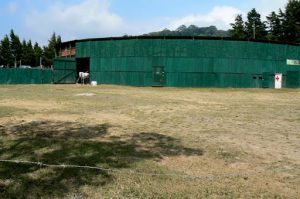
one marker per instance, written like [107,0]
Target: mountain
[192,30]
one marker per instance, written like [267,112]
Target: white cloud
[220,16]
[271,5]
[94,18]
[90,18]
[12,7]
[265,7]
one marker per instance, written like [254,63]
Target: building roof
[73,42]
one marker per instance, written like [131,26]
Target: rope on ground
[133,172]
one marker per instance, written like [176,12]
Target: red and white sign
[278,81]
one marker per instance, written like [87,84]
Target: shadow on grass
[73,143]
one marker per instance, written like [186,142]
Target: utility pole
[254,30]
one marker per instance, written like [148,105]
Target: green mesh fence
[25,76]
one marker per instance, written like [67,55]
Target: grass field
[203,143]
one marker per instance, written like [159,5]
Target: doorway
[158,76]
[82,65]
[267,80]
[293,79]
[257,81]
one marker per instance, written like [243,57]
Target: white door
[278,81]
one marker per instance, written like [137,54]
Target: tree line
[15,53]
[281,26]
[191,30]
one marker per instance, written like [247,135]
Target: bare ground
[220,143]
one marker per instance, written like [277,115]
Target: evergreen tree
[12,51]
[6,53]
[24,57]
[274,27]
[58,40]
[50,50]
[281,17]
[38,53]
[16,47]
[291,22]
[28,56]
[1,58]
[254,27]
[238,28]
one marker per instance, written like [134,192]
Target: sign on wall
[278,81]
[293,62]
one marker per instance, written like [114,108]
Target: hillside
[192,30]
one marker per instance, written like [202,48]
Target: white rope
[133,172]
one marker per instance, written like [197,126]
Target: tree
[164,32]
[58,40]
[181,28]
[28,57]
[1,58]
[50,51]
[24,57]
[38,53]
[211,30]
[6,53]
[16,47]
[254,27]
[31,55]
[13,51]
[291,22]
[238,28]
[274,27]
[192,30]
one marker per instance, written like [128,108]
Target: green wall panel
[64,71]
[187,62]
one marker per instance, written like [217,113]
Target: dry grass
[197,132]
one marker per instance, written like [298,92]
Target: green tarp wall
[189,62]
[25,76]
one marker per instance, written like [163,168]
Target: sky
[78,19]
